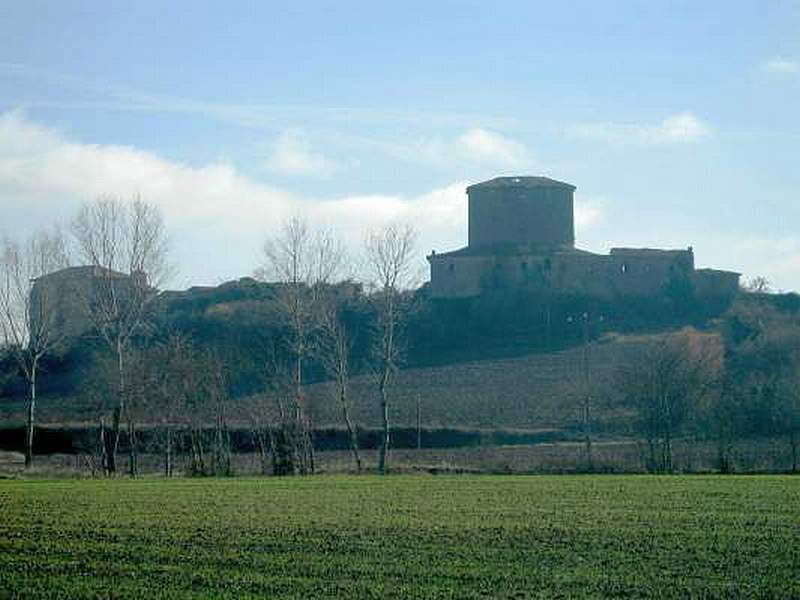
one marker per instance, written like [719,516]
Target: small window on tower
[524,267]
[623,268]
[452,267]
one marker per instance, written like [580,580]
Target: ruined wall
[65,295]
[69,293]
[713,283]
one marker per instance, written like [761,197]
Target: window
[451,267]
[624,268]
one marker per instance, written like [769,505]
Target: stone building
[70,293]
[522,235]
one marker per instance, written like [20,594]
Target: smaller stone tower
[534,213]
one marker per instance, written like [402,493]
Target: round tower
[531,212]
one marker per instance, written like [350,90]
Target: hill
[534,392]
[540,391]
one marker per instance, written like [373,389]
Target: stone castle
[67,296]
[522,236]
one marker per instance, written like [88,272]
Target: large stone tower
[535,213]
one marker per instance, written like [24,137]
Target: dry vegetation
[534,392]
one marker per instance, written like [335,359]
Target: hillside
[534,392]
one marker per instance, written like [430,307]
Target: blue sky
[677,121]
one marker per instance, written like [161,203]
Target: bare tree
[277,419]
[189,391]
[758,285]
[161,402]
[149,399]
[789,411]
[127,243]
[262,420]
[29,313]
[302,262]
[762,374]
[388,256]
[664,384]
[334,351]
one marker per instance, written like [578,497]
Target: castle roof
[521,182]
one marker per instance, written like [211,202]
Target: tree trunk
[30,424]
[133,467]
[690,448]
[587,399]
[262,448]
[201,459]
[587,433]
[668,450]
[308,436]
[305,441]
[168,453]
[119,411]
[350,430]
[384,447]
[419,422]
[651,444]
[104,448]
[283,453]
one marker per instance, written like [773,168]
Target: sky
[677,121]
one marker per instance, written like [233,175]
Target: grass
[402,537]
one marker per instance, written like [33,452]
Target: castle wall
[458,277]
[522,235]
[68,294]
[623,273]
[540,217]
[64,295]
[713,283]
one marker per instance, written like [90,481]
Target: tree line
[172,377]
[690,387]
[697,387]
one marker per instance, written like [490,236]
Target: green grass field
[402,537]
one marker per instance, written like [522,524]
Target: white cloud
[781,66]
[680,128]
[777,259]
[475,147]
[483,146]
[218,216]
[291,154]
[588,214]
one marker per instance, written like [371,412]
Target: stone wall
[68,295]
[535,217]
[623,273]
[713,283]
